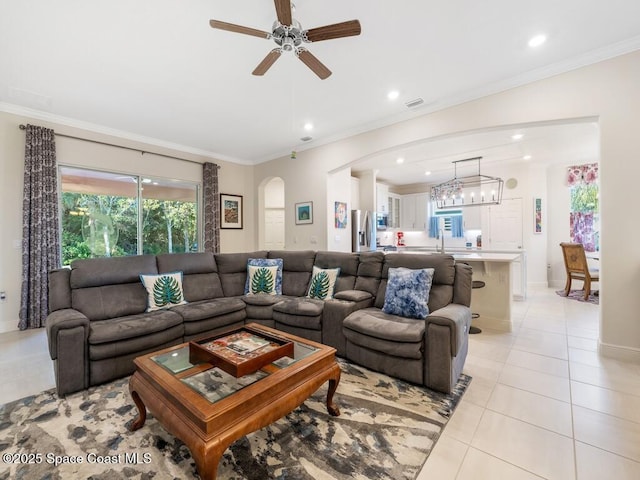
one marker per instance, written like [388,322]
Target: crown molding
[100,129]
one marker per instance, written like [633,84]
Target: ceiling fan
[289,35]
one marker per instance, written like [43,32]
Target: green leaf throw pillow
[262,279]
[323,283]
[163,290]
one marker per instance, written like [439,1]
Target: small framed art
[537,215]
[304,213]
[340,214]
[230,211]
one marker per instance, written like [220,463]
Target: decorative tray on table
[240,352]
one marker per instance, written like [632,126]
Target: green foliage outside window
[584,198]
[107,226]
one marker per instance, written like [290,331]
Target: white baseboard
[619,352]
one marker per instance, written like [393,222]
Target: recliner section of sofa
[98,321]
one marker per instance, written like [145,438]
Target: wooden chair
[575,262]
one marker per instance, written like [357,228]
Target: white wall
[606,91]
[557,214]
[236,179]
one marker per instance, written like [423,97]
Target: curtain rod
[23,127]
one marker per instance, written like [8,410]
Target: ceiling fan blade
[266,63]
[283,11]
[231,27]
[336,30]
[313,63]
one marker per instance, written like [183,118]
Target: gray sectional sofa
[98,321]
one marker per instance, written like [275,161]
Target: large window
[100,215]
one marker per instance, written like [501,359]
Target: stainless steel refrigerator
[363,230]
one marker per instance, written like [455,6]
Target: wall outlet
[3,296]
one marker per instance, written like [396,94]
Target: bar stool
[476,284]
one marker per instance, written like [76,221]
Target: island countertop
[471,257]
[486,257]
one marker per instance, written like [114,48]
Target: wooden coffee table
[209,409]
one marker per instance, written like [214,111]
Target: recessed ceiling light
[393,94]
[517,136]
[537,40]
[308,126]
[400,160]
[427,172]
[527,157]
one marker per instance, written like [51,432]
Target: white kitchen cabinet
[413,211]
[394,211]
[472,217]
[382,198]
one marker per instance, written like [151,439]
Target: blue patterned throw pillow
[323,283]
[266,262]
[163,290]
[407,292]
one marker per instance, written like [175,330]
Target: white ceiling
[155,70]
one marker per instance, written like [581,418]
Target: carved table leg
[332,408]
[142,412]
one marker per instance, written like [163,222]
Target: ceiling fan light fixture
[288,34]
[287,44]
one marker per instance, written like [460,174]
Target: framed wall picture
[304,213]
[537,215]
[341,214]
[230,211]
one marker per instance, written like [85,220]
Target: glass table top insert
[214,384]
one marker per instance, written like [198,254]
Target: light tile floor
[542,403]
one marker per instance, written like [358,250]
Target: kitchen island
[493,302]
[498,270]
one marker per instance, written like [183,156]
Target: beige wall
[236,179]
[607,91]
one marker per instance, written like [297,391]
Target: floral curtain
[40,237]
[585,174]
[582,230]
[211,207]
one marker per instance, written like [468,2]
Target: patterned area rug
[579,296]
[386,430]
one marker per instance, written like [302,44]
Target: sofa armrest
[353,295]
[335,311]
[68,335]
[457,318]
[65,319]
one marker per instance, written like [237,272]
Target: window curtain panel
[40,236]
[433,227]
[581,230]
[211,207]
[582,174]
[457,230]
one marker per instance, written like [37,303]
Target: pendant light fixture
[469,191]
